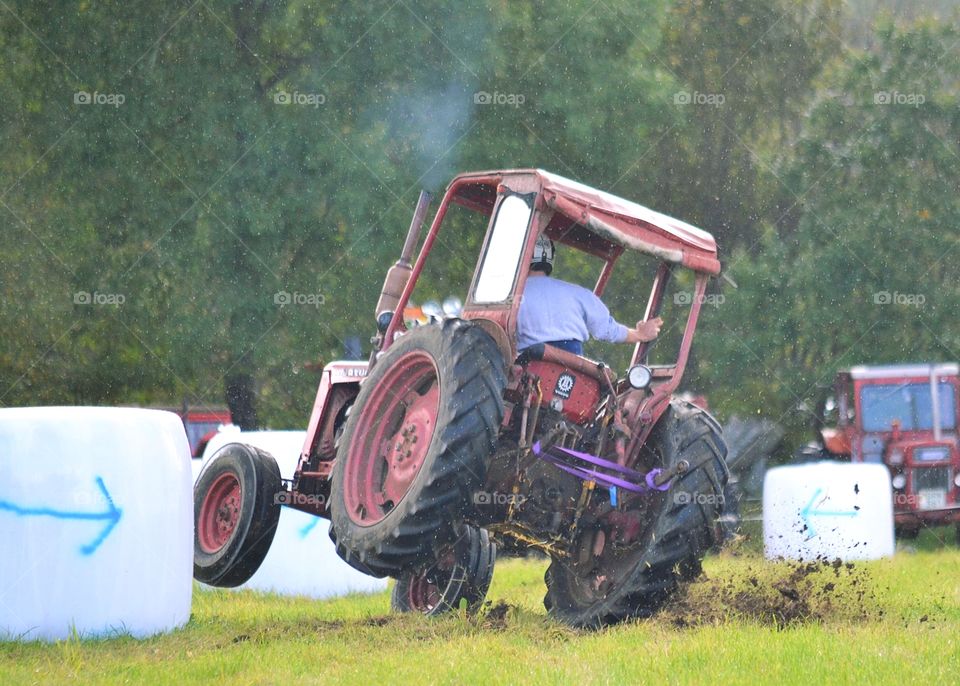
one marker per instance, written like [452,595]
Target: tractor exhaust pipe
[399,273]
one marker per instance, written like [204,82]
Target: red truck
[904,416]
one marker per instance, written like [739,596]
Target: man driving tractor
[565,315]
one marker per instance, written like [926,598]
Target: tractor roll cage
[606,222]
[592,221]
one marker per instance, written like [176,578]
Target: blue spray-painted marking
[305,531]
[112,516]
[809,511]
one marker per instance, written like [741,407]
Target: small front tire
[235,514]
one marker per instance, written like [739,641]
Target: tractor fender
[644,413]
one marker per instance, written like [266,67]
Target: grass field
[894,621]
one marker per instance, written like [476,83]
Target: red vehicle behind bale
[904,416]
[200,424]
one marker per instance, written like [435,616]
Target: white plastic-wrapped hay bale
[96,522]
[302,559]
[828,510]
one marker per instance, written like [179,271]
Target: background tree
[242,203]
[869,275]
[748,70]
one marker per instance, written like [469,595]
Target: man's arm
[604,327]
[599,321]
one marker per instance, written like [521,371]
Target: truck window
[910,403]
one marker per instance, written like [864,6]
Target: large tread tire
[471,376]
[231,562]
[438,590]
[673,548]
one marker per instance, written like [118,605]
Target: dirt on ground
[780,594]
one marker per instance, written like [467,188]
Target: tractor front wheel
[235,514]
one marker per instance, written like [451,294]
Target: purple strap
[637,483]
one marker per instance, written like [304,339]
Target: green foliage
[748,70]
[202,198]
[869,274]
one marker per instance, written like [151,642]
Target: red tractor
[904,416]
[447,441]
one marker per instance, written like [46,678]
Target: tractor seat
[584,365]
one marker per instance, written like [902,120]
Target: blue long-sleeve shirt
[554,310]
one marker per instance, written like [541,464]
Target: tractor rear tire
[683,527]
[235,514]
[460,577]
[415,447]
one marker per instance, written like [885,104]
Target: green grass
[893,621]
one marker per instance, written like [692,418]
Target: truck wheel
[235,514]
[415,447]
[461,575]
[680,526]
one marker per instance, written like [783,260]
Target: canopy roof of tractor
[596,222]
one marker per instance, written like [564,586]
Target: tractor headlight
[956,480]
[899,481]
[639,376]
[383,321]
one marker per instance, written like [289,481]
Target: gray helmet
[543,252]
